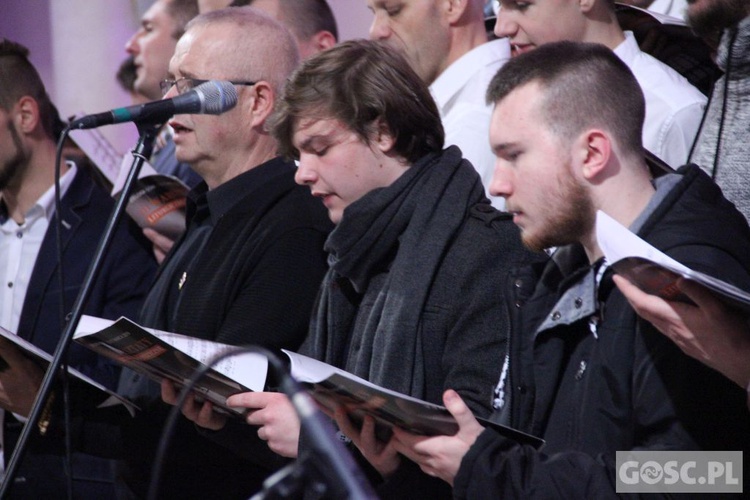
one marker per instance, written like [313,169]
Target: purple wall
[28,22]
[77,46]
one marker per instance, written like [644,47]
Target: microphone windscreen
[217,96]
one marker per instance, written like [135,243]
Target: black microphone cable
[341,464]
[68,448]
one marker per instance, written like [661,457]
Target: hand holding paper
[655,272]
[20,379]
[441,456]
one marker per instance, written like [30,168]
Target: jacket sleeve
[474,338]
[242,439]
[477,332]
[496,467]
[122,284]
[677,404]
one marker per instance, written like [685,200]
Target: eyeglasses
[188,84]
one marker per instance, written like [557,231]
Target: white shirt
[19,247]
[671,8]
[459,92]
[674,107]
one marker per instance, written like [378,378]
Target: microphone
[326,466]
[213,98]
[341,474]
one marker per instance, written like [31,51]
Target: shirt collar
[580,300]
[225,197]
[663,186]
[628,49]
[46,202]
[463,69]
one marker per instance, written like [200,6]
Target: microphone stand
[326,467]
[148,133]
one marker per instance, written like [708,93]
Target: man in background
[151,48]
[311,22]
[31,303]
[446,44]
[674,107]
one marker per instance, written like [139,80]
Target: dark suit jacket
[122,284]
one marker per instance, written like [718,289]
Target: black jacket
[630,388]
[122,283]
[413,300]
[254,282]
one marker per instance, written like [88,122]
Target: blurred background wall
[77,46]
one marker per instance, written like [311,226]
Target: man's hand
[707,331]
[441,456]
[19,381]
[202,414]
[382,456]
[162,245]
[276,417]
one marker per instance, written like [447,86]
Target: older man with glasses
[184,85]
[248,267]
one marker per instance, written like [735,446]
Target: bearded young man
[584,372]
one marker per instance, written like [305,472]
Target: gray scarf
[404,229]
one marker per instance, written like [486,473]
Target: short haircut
[304,17]
[585,85]
[19,78]
[263,49]
[181,11]
[362,84]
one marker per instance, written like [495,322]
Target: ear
[26,114]
[259,105]
[594,149]
[323,40]
[384,140]
[454,9]
[585,6]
